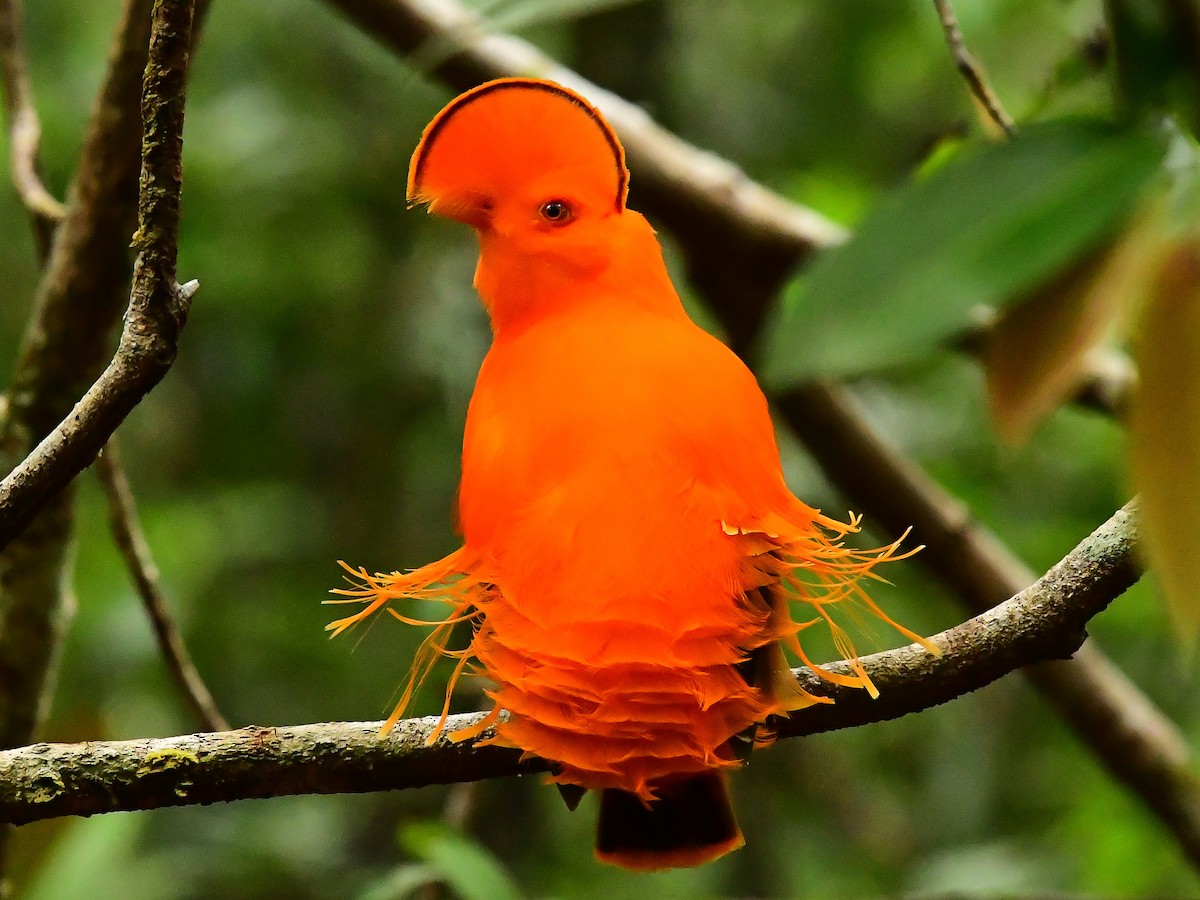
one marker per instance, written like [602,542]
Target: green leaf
[469,870]
[982,230]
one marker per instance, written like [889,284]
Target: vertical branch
[131,541]
[79,300]
[157,304]
[25,131]
[46,212]
[971,71]
[67,331]
[85,284]
[164,95]
[76,305]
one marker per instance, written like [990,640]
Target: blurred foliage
[315,414]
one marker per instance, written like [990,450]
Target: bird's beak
[474,211]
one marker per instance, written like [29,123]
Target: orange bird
[631,553]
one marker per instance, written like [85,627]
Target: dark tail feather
[690,823]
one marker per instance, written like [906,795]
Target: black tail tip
[690,823]
[572,794]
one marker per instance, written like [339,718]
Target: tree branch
[79,299]
[25,131]
[1046,621]
[65,342]
[970,69]
[84,287]
[740,242]
[131,541]
[157,305]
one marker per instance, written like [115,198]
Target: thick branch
[157,305]
[1046,621]
[131,541]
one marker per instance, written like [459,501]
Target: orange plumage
[630,547]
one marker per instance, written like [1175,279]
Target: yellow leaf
[1165,432]
[1039,350]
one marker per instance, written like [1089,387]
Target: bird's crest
[499,137]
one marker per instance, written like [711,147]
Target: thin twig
[740,242]
[157,305]
[1046,621]
[25,131]
[80,297]
[971,71]
[131,541]
[84,288]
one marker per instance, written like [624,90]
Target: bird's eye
[556,212]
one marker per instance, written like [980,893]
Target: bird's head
[539,175]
